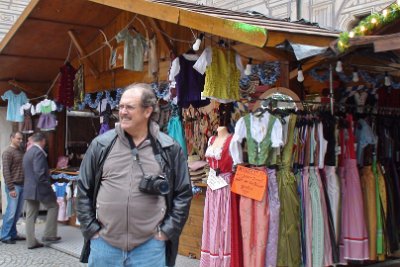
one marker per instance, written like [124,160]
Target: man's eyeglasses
[127,107]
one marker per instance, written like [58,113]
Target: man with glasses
[134,189]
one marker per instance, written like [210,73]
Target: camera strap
[135,151]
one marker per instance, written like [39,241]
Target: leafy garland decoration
[370,23]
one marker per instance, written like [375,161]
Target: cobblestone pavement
[18,255]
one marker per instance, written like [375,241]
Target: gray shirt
[128,216]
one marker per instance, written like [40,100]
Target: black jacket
[174,165]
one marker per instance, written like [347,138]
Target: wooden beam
[261,54]
[311,63]
[275,37]
[225,28]
[24,15]
[63,23]
[387,44]
[146,8]
[20,85]
[83,53]
[120,78]
[165,43]
[233,30]
[32,57]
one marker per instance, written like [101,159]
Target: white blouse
[258,131]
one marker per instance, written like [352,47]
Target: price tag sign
[250,183]
[215,182]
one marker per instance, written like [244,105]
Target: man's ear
[148,111]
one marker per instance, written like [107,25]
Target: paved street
[19,256]
[64,253]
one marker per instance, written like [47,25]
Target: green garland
[370,23]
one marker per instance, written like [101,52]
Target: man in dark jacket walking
[37,189]
[134,189]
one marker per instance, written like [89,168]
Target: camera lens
[162,186]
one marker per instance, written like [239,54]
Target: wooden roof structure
[40,41]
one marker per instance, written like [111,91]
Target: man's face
[131,114]
[16,141]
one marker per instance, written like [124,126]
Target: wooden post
[83,53]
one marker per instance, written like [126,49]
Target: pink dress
[216,238]
[354,237]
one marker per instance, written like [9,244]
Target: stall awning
[253,29]
[38,43]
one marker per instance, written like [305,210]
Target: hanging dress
[47,121]
[27,110]
[216,237]
[223,69]
[354,236]
[289,249]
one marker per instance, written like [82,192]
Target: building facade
[333,14]
[9,13]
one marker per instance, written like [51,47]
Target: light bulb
[385,12]
[355,76]
[196,45]
[373,20]
[351,34]
[362,28]
[398,2]
[388,81]
[300,75]
[247,71]
[339,66]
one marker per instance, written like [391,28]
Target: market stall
[80,64]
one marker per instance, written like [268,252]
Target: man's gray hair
[148,98]
[37,137]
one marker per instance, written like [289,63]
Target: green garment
[379,225]
[259,153]
[289,247]
[134,48]
[222,76]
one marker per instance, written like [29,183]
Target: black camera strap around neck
[135,151]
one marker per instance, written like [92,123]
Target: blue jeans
[13,212]
[149,254]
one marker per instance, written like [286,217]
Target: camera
[154,185]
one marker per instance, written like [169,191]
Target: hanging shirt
[258,130]
[134,48]
[15,101]
[223,68]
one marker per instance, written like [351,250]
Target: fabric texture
[222,74]
[15,101]
[134,49]
[289,247]
[216,237]
[12,213]
[13,172]
[149,254]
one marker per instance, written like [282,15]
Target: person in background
[38,190]
[134,190]
[14,179]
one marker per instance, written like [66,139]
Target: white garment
[333,190]
[101,107]
[27,106]
[258,131]
[323,145]
[206,59]
[45,103]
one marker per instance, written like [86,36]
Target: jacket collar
[163,139]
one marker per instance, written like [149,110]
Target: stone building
[332,14]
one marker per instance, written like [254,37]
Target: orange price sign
[250,183]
